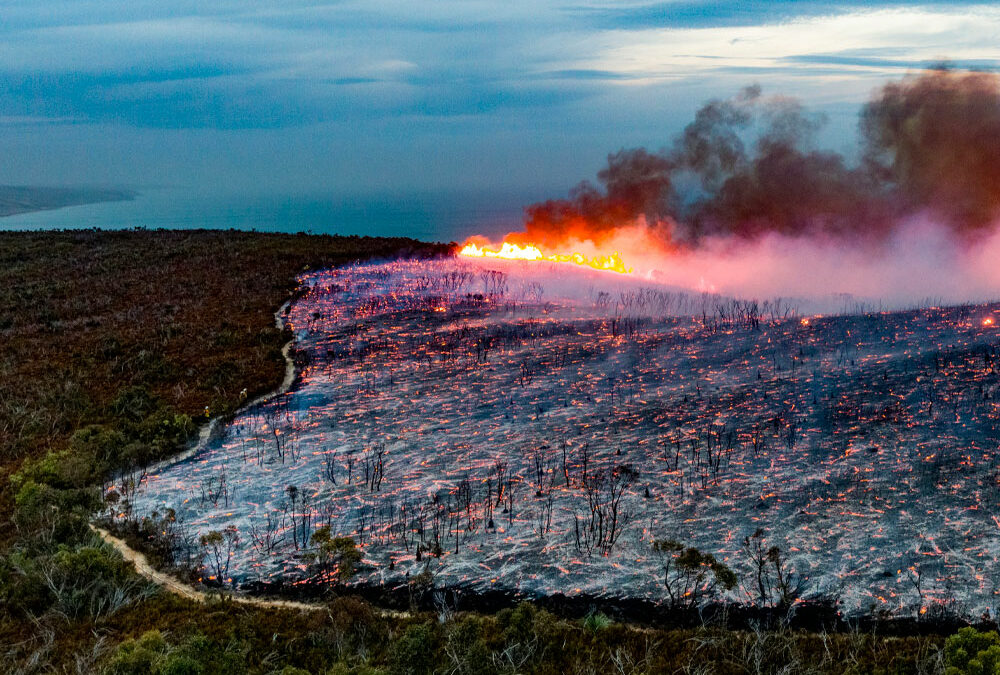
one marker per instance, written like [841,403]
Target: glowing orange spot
[509,251]
[804,321]
[988,321]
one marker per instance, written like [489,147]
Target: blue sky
[371,96]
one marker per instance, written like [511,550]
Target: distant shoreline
[15,200]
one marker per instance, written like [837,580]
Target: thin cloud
[539,89]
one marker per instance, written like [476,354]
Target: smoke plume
[637,184]
[933,143]
[929,145]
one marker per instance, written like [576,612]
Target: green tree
[972,652]
[338,555]
[220,547]
[690,576]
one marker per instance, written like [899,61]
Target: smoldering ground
[504,426]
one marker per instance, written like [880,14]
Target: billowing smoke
[934,142]
[749,167]
[746,179]
[637,184]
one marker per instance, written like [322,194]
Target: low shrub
[972,652]
[415,652]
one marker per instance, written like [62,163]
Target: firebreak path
[177,587]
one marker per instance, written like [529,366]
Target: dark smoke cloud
[712,145]
[930,144]
[784,185]
[936,139]
[636,183]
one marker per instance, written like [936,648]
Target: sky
[520,97]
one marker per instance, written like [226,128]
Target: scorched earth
[526,426]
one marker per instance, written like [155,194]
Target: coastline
[17,200]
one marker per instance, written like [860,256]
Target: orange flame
[509,251]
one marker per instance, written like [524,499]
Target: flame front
[509,251]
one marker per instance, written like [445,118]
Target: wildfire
[509,251]
[988,321]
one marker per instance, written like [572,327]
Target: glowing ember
[862,452]
[988,321]
[508,251]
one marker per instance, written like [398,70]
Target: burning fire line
[508,251]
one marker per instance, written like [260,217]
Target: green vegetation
[151,654]
[690,576]
[115,343]
[971,652]
[337,555]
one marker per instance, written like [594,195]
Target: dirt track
[177,587]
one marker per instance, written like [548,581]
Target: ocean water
[426,216]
